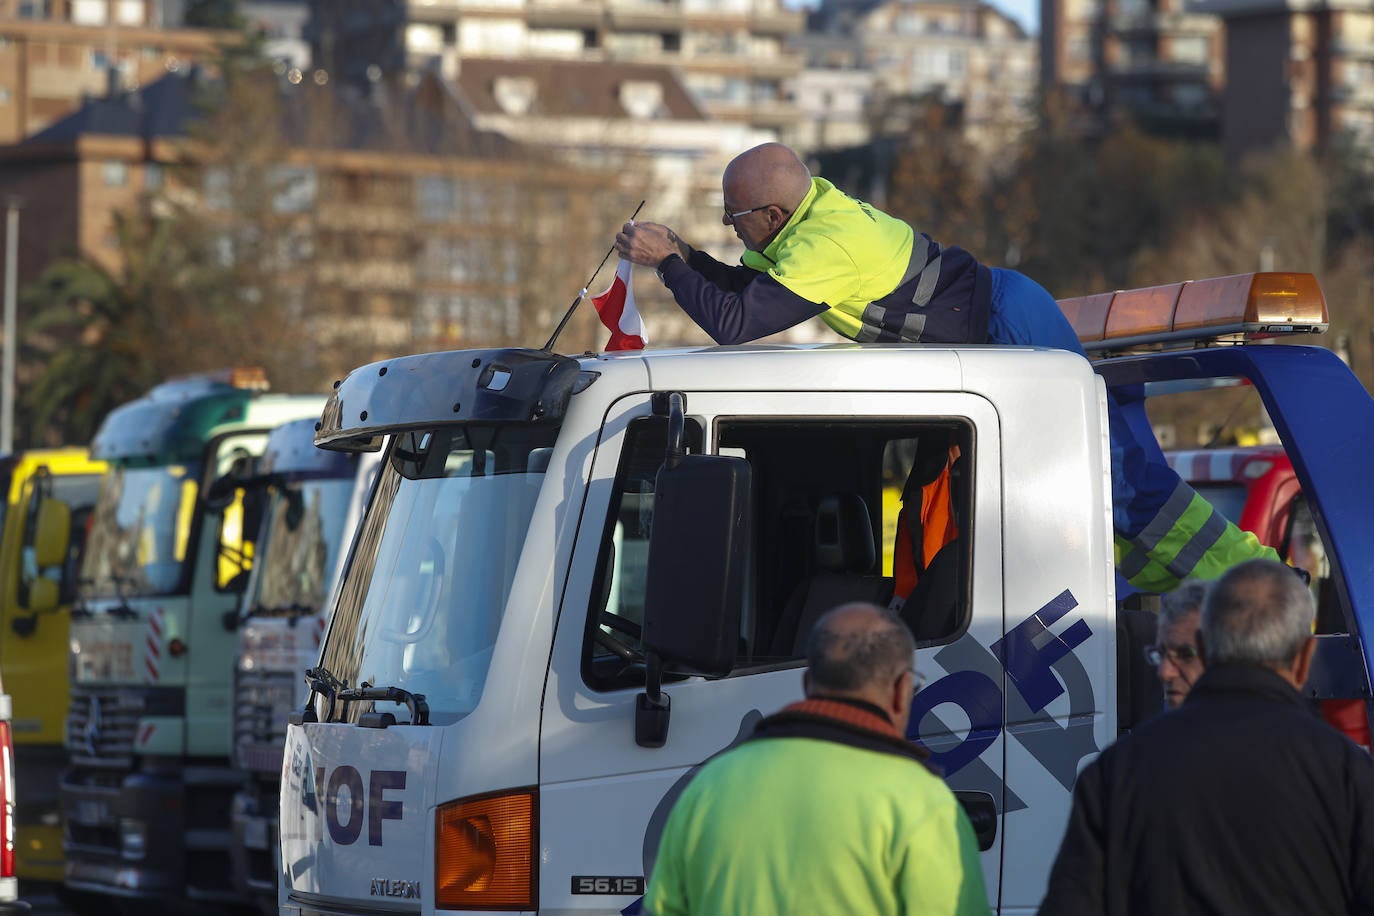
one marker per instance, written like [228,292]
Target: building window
[152,176]
[438,198]
[217,188]
[422,38]
[89,12]
[1191,49]
[34,9]
[114,174]
[293,188]
[130,12]
[1191,97]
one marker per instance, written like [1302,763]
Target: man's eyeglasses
[734,216]
[917,680]
[1155,655]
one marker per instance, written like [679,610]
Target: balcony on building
[1353,46]
[781,65]
[448,10]
[565,14]
[774,20]
[773,113]
[645,14]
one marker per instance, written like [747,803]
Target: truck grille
[263,700]
[102,721]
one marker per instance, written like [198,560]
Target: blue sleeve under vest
[733,304]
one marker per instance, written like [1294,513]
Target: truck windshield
[305,526]
[139,531]
[426,588]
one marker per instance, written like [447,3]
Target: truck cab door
[603,798]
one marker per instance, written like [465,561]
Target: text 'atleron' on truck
[579,578]
[153,639]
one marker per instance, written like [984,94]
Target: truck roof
[501,386]
[172,423]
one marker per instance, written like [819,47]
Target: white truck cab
[313,503]
[578,579]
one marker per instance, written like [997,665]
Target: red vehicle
[9,884]
[1256,487]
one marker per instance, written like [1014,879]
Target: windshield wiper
[293,611]
[322,683]
[415,702]
[123,610]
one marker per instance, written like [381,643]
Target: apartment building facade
[56,53]
[1158,61]
[387,226]
[637,121]
[866,61]
[1301,74]
[732,55]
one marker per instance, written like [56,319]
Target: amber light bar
[1199,311]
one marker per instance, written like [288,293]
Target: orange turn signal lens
[485,853]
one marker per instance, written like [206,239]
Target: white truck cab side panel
[603,798]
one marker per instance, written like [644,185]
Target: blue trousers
[1023,312]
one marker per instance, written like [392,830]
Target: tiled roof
[428,119]
[160,109]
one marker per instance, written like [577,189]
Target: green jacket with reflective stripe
[839,252]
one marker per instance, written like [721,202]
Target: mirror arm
[652,707]
[677,421]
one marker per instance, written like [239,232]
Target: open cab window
[829,528]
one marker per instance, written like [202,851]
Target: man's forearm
[728,277]
[742,305]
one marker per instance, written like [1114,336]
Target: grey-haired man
[1240,801]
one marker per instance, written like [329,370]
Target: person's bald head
[865,652]
[768,174]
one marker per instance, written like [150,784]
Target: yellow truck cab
[34,628]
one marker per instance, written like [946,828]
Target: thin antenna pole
[582,294]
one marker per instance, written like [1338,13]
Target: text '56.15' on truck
[578,579]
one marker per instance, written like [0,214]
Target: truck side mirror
[698,551]
[42,596]
[52,534]
[51,538]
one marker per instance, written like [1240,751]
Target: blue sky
[1027,12]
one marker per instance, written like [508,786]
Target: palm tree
[98,337]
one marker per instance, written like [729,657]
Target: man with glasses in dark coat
[1239,801]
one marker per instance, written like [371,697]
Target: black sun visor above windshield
[430,390]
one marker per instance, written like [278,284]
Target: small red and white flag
[618,312]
